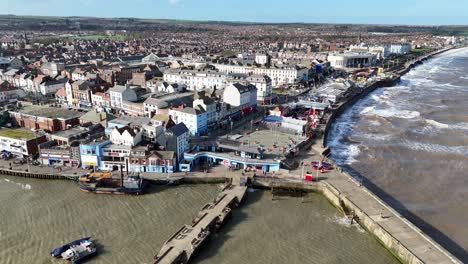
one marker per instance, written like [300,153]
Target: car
[19,161]
[324,166]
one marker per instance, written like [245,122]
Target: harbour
[132,229]
[397,234]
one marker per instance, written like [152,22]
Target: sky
[414,12]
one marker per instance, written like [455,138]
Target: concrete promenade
[398,234]
[183,244]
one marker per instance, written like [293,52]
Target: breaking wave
[435,148]
[21,185]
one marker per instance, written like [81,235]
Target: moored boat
[132,184]
[77,253]
[58,251]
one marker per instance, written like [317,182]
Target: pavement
[43,169]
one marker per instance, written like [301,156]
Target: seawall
[406,241]
[391,81]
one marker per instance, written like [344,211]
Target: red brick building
[48,118]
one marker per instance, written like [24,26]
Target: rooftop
[17,133]
[49,112]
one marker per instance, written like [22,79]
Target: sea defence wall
[393,80]
[342,107]
[406,241]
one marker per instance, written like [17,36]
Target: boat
[77,253]
[132,184]
[58,251]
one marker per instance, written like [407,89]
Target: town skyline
[429,13]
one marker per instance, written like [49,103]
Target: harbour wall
[340,200]
[27,174]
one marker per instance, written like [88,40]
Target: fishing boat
[58,251]
[131,184]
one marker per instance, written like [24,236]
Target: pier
[181,246]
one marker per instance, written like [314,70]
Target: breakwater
[181,246]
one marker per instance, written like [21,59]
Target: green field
[96,37]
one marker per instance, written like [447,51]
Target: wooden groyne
[181,246]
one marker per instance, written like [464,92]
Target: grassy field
[96,37]
[420,51]
[278,91]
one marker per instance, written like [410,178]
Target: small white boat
[79,252]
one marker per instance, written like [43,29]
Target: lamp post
[302,174]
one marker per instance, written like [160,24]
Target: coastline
[405,255]
[336,194]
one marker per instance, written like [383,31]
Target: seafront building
[134,105]
[227,153]
[279,75]
[352,59]
[20,142]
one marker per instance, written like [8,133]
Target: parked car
[19,161]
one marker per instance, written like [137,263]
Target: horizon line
[239,21]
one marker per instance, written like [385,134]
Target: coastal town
[112,109]
[141,105]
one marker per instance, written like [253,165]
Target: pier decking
[183,244]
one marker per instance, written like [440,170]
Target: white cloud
[174,2]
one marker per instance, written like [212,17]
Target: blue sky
[417,12]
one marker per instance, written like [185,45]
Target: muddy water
[38,215]
[410,143]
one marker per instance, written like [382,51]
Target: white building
[119,93]
[278,75]
[193,118]
[20,141]
[240,95]
[400,48]
[153,131]
[351,59]
[209,105]
[51,87]
[52,68]
[9,94]
[126,136]
[195,80]
[152,106]
[381,51]
[170,88]
[234,68]
[264,86]
[262,59]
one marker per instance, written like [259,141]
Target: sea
[38,215]
[409,144]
